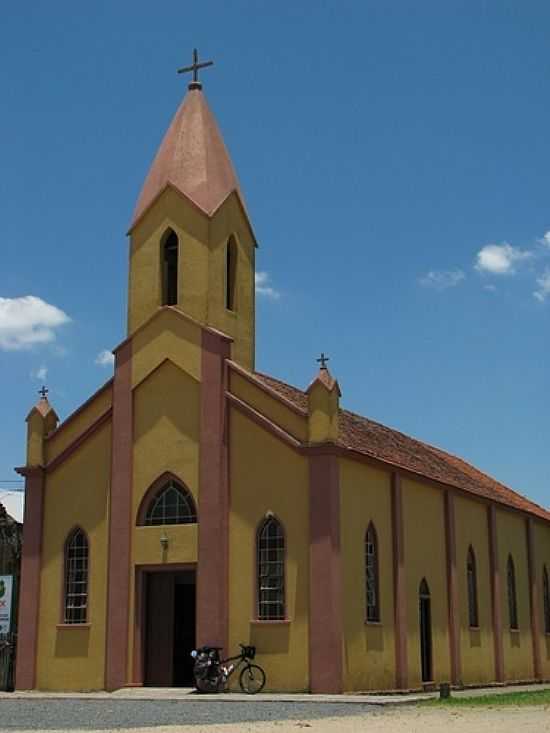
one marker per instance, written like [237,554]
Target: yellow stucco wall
[266,475]
[191,226]
[269,406]
[201,268]
[369,649]
[82,420]
[542,552]
[323,413]
[424,532]
[76,494]
[239,324]
[518,654]
[166,438]
[477,647]
[167,336]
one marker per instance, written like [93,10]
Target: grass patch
[538,697]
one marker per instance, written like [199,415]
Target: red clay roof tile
[391,446]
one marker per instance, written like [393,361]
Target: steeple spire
[192,157]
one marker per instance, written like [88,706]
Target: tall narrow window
[271,570]
[546,598]
[230,273]
[471,573]
[76,578]
[170,246]
[371,568]
[512,597]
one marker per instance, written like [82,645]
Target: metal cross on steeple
[323,360]
[43,392]
[195,66]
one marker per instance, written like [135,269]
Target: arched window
[76,578]
[512,597]
[230,273]
[172,504]
[271,570]
[471,574]
[371,569]
[546,597]
[169,251]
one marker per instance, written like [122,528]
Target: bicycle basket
[249,652]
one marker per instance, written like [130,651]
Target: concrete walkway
[190,694]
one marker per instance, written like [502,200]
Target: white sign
[6,587]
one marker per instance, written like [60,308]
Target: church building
[193,500]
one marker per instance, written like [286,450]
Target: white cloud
[40,374]
[105,358]
[490,288]
[543,283]
[14,502]
[499,259]
[264,288]
[27,321]
[442,279]
[545,240]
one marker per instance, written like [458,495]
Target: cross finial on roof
[323,360]
[43,392]
[195,66]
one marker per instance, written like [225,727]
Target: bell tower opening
[230,273]
[170,255]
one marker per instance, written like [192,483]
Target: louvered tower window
[170,255]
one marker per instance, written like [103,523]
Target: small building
[194,500]
[11,535]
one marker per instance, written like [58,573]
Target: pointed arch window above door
[172,504]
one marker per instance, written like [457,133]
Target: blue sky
[395,160]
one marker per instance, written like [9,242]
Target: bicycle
[213,673]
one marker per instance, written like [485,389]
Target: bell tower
[192,246]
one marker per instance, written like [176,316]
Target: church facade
[193,500]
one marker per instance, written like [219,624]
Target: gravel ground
[184,716]
[107,715]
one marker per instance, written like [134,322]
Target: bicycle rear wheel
[252,679]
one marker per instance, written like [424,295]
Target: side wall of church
[268,476]
[369,648]
[76,495]
[517,644]
[542,554]
[424,535]
[476,644]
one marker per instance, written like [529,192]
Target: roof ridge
[418,456]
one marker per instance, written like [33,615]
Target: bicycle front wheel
[252,679]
